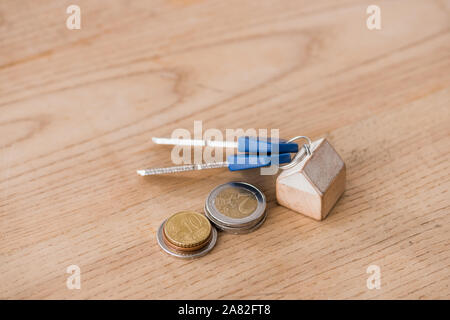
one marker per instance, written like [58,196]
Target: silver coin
[236,207]
[188,254]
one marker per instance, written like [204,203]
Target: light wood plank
[78,108]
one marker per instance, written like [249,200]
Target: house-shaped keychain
[314,184]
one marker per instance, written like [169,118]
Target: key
[244,144]
[234,163]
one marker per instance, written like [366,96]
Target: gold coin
[236,202]
[187,229]
[187,249]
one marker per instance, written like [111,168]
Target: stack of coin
[236,207]
[187,234]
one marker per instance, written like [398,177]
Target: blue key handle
[249,161]
[257,145]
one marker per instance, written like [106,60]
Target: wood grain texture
[78,109]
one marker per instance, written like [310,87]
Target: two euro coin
[236,207]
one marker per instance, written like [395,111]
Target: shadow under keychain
[313,181]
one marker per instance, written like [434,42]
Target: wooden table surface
[79,108]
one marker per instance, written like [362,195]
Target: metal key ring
[300,155]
